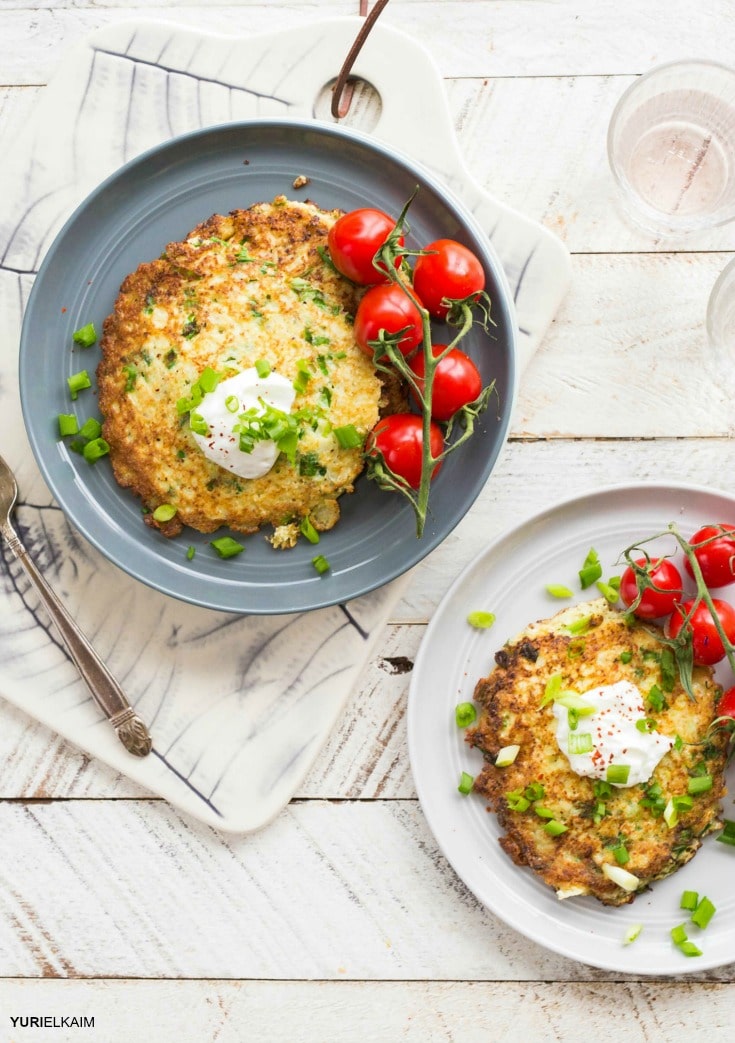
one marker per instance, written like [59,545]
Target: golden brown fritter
[601,820]
[248,286]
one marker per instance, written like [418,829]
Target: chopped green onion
[262,367]
[302,378]
[571,701]
[671,813]
[703,913]
[226,547]
[481,620]
[700,784]
[575,648]
[86,335]
[554,828]
[95,449]
[579,626]
[690,949]
[348,436]
[655,698]
[90,429]
[625,657]
[209,379]
[580,742]
[621,854]
[620,876]
[558,591]
[608,591]
[543,812]
[632,933]
[506,756]
[78,382]
[465,783]
[308,530]
[198,424]
[617,774]
[683,803]
[321,564]
[727,836]
[68,424]
[516,801]
[552,689]
[645,724]
[164,512]
[534,791]
[591,571]
[689,900]
[678,742]
[190,552]
[679,934]
[232,403]
[465,714]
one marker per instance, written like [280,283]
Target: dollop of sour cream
[615,737]
[220,409]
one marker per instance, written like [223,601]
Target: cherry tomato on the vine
[399,438]
[716,557]
[447,270]
[355,238]
[456,383]
[726,705]
[654,603]
[388,308]
[707,645]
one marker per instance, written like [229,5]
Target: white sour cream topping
[615,738]
[243,391]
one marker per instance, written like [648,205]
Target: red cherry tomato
[388,308]
[449,271]
[457,381]
[706,643]
[716,557]
[726,705]
[400,439]
[653,603]
[355,238]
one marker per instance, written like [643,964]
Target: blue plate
[158,198]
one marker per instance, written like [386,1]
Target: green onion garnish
[321,564]
[226,547]
[632,933]
[689,949]
[679,934]
[534,791]
[580,742]
[95,449]
[645,724]
[557,590]
[554,828]
[617,774]
[198,424]
[620,854]
[516,801]
[727,836]
[625,657]
[190,552]
[465,714]
[703,913]
[591,571]
[689,900]
[700,784]
[481,620]
[78,382]
[552,689]
[90,429]
[579,626]
[302,378]
[68,424]
[465,783]
[543,812]
[507,756]
[655,698]
[164,512]
[308,530]
[232,403]
[348,436]
[86,335]
[262,367]
[621,877]
[608,591]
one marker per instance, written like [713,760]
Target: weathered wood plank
[414,1012]
[478,37]
[329,891]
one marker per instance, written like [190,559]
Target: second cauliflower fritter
[626,827]
[251,286]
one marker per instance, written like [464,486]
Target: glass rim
[725,275]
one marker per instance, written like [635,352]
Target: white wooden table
[342,920]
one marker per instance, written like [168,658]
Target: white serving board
[239,707]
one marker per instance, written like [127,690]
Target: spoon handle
[107,693]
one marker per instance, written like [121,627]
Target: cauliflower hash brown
[250,286]
[618,826]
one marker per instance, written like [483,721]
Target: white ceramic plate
[509,579]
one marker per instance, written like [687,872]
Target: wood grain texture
[413,1012]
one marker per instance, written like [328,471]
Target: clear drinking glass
[721,327]
[671,147]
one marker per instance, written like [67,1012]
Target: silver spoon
[105,690]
